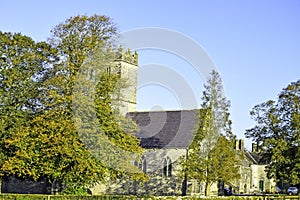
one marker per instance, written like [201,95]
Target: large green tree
[107,134]
[40,135]
[37,141]
[23,64]
[211,156]
[87,45]
[277,132]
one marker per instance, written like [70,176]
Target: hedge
[125,197]
[63,197]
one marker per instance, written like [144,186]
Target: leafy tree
[40,137]
[211,157]
[87,45]
[22,65]
[48,147]
[278,133]
[76,39]
[102,128]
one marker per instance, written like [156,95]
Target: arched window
[165,168]
[169,162]
[142,164]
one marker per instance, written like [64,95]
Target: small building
[253,172]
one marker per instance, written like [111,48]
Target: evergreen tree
[211,157]
[213,97]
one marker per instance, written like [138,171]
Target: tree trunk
[184,186]
[207,189]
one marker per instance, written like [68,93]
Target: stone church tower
[127,65]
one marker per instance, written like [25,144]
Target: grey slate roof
[165,129]
[260,158]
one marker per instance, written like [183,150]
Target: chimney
[237,145]
[254,147]
[241,144]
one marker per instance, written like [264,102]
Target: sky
[254,45]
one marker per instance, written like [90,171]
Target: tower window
[142,164]
[119,70]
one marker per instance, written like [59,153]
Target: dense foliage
[39,133]
[277,132]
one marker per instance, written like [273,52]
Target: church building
[166,136]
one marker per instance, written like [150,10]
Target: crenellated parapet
[127,56]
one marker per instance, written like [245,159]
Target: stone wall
[24,186]
[260,181]
[163,170]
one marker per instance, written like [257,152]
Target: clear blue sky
[255,45]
